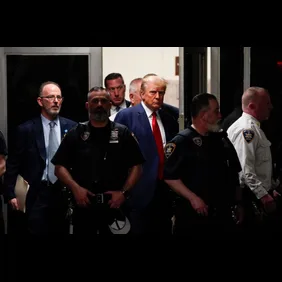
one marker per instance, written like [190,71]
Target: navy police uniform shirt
[99,158]
[202,163]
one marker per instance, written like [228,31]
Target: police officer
[99,161]
[253,149]
[202,167]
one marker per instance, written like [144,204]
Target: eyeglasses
[52,98]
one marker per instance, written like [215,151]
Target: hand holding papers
[21,190]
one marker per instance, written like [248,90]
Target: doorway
[23,69]
[25,73]
[195,78]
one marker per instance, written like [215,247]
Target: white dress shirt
[149,113]
[46,130]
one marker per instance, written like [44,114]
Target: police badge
[197,141]
[85,135]
[114,136]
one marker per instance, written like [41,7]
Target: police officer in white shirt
[253,148]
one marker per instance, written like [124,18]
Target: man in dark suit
[152,124]
[114,83]
[46,201]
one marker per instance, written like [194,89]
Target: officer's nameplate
[114,136]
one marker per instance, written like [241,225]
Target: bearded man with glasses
[37,140]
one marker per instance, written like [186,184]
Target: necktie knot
[52,124]
[154,114]
[117,108]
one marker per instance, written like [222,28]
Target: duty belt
[100,198]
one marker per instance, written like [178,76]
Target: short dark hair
[200,102]
[96,89]
[111,76]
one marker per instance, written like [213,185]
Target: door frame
[247,67]
[95,74]
[94,71]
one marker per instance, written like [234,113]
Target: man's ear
[202,115]
[252,106]
[39,101]
[87,106]
[131,97]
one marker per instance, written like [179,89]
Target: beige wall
[134,62]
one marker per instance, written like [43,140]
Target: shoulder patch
[169,148]
[197,141]
[248,135]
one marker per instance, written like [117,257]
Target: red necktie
[159,143]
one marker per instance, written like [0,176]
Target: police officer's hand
[199,205]
[276,194]
[82,195]
[116,200]
[240,214]
[269,203]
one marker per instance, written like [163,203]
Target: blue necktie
[52,148]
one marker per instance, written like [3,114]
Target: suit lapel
[143,119]
[63,125]
[144,123]
[39,136]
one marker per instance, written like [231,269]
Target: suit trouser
[48,214]
[92,220]
[155,219]
[257,223]
[17,222]
[218,224]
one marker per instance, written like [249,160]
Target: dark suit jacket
[136,120]
[29,157]
[128,103]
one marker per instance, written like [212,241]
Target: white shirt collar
[46,121]
[248,116]
[148,111]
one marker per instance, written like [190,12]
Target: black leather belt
[46,183]
[100,198]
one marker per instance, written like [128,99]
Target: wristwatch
[125,193]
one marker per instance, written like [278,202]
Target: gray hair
[133,85]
